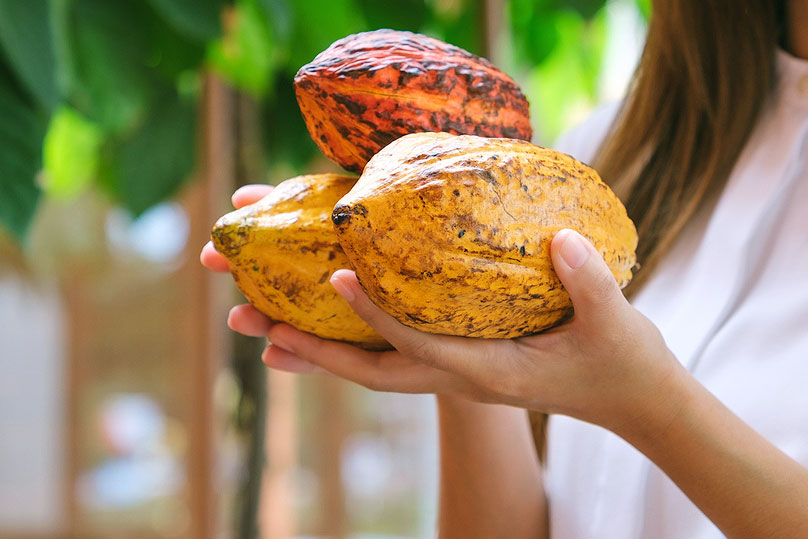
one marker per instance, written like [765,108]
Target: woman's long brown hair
[704,75]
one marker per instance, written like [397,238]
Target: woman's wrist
[662,395]
[652,419]
[452,408]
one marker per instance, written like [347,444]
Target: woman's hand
[604,365]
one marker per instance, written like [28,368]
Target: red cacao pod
[368,89]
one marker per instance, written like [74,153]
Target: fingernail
[343,289]
[573,250]
[230,317]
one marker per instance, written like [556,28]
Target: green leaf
[564,87]
[285,135]
[110,53]
[197,19]
[645,8]
[121,54]
[586,8]
[70,153]
[534,31]
[318,23]
[457,22]
[171,56]
[279,14]
[21,133]
[60,27]
[150,164]
[400,15]
[27,41]
[245,55]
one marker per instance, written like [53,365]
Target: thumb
[594,291]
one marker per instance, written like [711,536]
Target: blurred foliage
[97,92]
[70,153]
[566,77]
[103,93]
[246,54]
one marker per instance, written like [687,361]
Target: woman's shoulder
[583,140]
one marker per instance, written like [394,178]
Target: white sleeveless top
[731,300]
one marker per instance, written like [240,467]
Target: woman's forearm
[490,480]
[743,483]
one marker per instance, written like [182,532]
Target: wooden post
[76,319]
[492,24]
[205,333]
[277,516]
[252,374]
[333,423]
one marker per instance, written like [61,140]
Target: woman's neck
[797,30]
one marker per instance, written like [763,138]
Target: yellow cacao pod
[282,251]
[450,234]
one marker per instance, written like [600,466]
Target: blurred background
[127,408]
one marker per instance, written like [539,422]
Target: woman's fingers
[277,358]
[212,260]
[380,371]
[248,321]
[465,357]
[250,194]
[407,340]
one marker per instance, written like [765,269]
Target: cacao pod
[282,251]
[451,234]
[368,89]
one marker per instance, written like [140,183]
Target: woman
[699,434]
